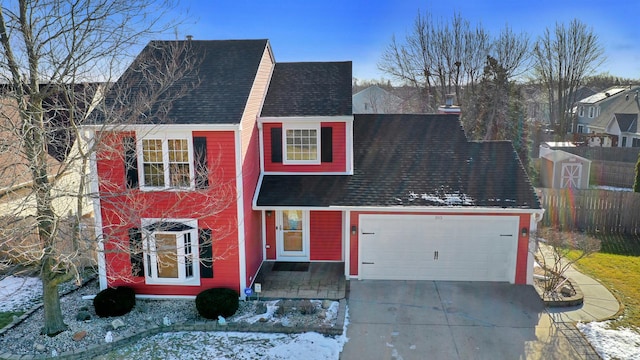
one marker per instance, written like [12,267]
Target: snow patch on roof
[444,198]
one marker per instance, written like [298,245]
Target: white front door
[292,235]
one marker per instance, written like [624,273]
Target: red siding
[214,208]
[522,249]
[325,235]
[339,163]
[270,228]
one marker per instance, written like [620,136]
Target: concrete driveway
[451,320]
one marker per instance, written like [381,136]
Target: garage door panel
[427,247]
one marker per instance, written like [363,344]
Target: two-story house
[265,161]
[591,109]
[617,126]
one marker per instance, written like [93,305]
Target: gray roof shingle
[213,91]
[309,89]
[412,160]
[627,122]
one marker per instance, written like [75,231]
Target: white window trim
[148,243]
[300,126]
[581,111]
[165,137]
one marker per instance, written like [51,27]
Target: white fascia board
[303,119]
[452,210]
[306,172]
[242,261]
[164,127]
[254,201]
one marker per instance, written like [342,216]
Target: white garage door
[443,247]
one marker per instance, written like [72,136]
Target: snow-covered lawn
[233,345]
[17,293]
[612,344]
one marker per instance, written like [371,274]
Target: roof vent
[607,94]
[189,37]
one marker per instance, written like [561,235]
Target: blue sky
[358,30]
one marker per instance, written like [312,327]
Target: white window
[171,252]
[166,162]
[581,111]
[592,111]
[301,144]
[580,128]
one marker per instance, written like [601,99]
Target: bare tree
[47,48]
[563,58]
[448,57]
[553,247]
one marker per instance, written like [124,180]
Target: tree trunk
[53,320]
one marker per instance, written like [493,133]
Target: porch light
[524,231]
[354,229]
[269,213]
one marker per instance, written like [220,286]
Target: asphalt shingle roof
[412,160]
[213,91]
[309,89]
[627,122]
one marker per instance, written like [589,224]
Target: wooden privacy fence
[591,210]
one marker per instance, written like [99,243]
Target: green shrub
[114,301]
[212,303]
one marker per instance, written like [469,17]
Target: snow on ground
[611,188]
[233,345]
[19,293]
[612,344]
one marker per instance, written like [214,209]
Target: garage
[438,247]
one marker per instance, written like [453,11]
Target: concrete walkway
[599,304]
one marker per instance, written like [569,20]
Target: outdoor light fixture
[269,213]
[524,231]
[354,229]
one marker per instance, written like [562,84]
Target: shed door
[571,175]
[442,247]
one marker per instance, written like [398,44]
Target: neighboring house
[376,100]
[536,104]
[618,125]
[390,196]
[592,109]
[16,181]
[560,169]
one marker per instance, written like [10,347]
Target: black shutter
[130,162]
[206,253]
[135,252]
[201,169]
[326,144]
[276,145]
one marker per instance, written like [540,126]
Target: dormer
[306,123]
